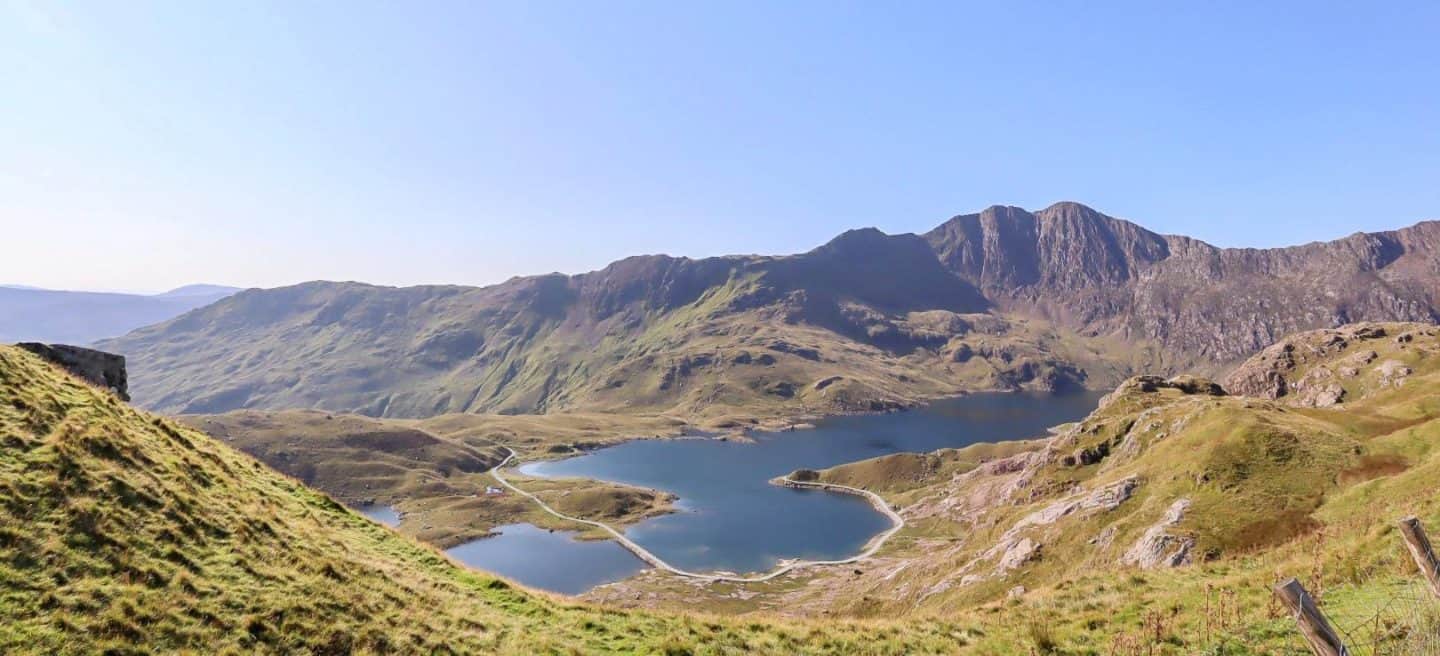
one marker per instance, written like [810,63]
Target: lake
[730,518]
[386,515]
[553,561]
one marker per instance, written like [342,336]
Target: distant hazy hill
[1001,299]
[192,291]
[44,315]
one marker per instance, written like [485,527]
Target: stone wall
[104,369]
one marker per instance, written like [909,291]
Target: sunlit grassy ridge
[129,533]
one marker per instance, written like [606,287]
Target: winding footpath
[897,523]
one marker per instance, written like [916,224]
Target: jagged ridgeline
[123,532]
[1002,299]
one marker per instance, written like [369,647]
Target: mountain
[1002,299]
[1102,275]
[865,322]
[188,291]
[122,532]
[44,315]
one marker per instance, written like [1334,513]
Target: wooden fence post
[1421,551]
[1312,623]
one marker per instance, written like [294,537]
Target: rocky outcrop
[1309,369]
[1015,548]
[1020,552]
[1185,384]
[1159,547]
[1392,373]
[103,369]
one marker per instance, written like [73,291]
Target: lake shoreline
[793,422]
[728,522]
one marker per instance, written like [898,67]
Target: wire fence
[1402,621]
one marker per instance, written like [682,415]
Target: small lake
[731,519]
[386,515]
[554,561]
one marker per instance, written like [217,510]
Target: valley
[719,329]
[736,519]
[1172,495]
[127,531]
[955,376]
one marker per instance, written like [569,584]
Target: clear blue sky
[146,145]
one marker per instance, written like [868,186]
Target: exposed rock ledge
[1013,550]
[1186,384]
[1160,548]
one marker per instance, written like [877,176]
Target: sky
[147,145]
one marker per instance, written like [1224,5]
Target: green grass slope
[1036,541]
[121,532]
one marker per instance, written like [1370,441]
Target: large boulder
[98,367]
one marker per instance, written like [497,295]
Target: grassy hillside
[122,532]
[1158,524]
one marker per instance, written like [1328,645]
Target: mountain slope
[866,322]
[43,315]
[1170,497]
[1002,299]
[126,533]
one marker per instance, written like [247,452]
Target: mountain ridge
[999,299]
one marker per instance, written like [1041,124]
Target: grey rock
[97,367]
[1158,547]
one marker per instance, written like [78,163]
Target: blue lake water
[730,518]
[553,561]
[386,515]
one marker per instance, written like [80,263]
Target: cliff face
[1102,275]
